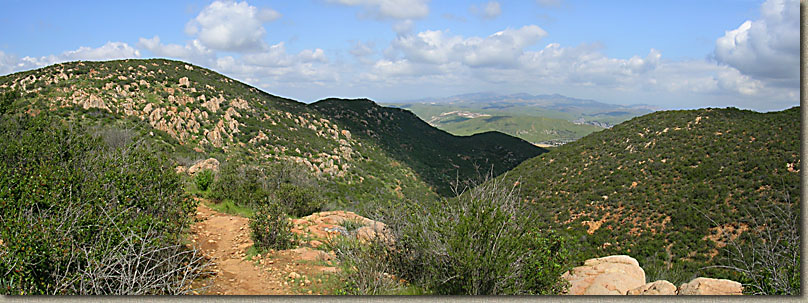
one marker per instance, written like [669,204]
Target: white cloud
[276,56]
[108,51]
[231,26]
[391,9]
[193,51]
[8,63]
[403,27]
[499,49]
[767,48]
[490,10]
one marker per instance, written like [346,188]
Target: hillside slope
[652,187]
[438,157]
[194,113]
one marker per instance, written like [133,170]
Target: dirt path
[226,238]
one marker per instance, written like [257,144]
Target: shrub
[82,217]
[203,179]
[243,184]
[483,242]
[365,267]
[270,226]
[300,201]
[767,257]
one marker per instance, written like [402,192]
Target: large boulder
[209,164]
[658,288]
[709,286]
[612,275]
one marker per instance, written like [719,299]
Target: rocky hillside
[670,188]
[195,113]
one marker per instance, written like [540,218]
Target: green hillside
[669,188]
[193,113]
[438,157]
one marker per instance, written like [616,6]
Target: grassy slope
[656,181]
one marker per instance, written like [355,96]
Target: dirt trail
[225,239]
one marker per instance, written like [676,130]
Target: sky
[670,54]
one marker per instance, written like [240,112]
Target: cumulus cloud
[276,56]
[767,48]
[490,10]
[391,9]
[231,26]
[499,49]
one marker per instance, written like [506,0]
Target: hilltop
[193,113]
[671,188]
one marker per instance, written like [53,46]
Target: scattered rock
[293,275]
[184,82]
[660,287]
[709,286]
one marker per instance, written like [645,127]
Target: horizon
[681,55]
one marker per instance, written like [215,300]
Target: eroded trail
[226,238]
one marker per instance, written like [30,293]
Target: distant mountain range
[541,119]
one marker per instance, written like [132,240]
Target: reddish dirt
[225,239]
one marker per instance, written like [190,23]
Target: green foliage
[365,267]
[270,226]
[484,242]
[7,99]
[351,225]
[242,184]
[300,201]
[82,217]
[203,179]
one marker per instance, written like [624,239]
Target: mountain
[541,119]
[194,113]
[670,188]
[437,156]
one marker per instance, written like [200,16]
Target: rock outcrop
[209,164]
[709,286]
[612,275]
[322,226]
[622,275]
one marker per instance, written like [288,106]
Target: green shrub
[365,267]
[82,217]
[203,179]
[484,242]
[243,184]
[270,226]
[300,201]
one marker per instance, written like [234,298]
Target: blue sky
[672,54]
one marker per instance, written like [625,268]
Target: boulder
[658,288]
[612,275]
[209,164]
[709,286]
